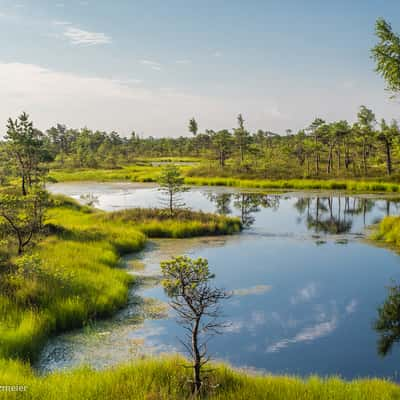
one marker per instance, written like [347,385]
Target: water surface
[306,286]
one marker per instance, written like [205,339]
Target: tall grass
[71,276]
[136,173]
[298,184]
[388,231]
[156,223]
[166,378]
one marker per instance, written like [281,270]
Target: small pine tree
[172,186]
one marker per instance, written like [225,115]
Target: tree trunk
[364,154]
[23,185]
[196,359]
[388,158]
[171,204]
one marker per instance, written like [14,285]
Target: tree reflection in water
[387,324]
[321,214]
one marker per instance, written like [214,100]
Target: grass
[71,276]
[136,173]
[166,378]
[68,279]
[157,223]
[298,184]
[148,173]
[388,231]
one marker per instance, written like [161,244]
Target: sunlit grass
[151,173]
[388,231]
[156,223]
[167,378]
[71,276]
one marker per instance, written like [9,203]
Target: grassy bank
[156,223]
[298,184]
[136,173]
[156,379]
[66,280]
[70,277]
[151,173]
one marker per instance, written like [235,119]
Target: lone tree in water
[188,283]
[172,186]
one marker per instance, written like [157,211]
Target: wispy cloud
[307,334]
[217,54]
[60,23]
[351,307]
[156,66]
[259,289]
[77,36]
[305,294]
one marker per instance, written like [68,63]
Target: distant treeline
[322,149]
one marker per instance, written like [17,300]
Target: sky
[149,66]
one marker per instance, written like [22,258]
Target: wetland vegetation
[303,285]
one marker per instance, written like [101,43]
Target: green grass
[156,223]
[388,231]
[151,173]
[298,184]
[68,279]
[71,276]
[136,173]
[156,379]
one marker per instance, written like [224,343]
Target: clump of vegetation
[185,223]
[166,378]
[388,231]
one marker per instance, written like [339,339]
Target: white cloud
[51,96]
[307,334]
[305,294]
[60,23]
[217,54]
[351,307]
[77,36]
[152,64]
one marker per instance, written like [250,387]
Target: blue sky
[151,65]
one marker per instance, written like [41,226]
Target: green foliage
[21,216]
[171,184]
[188,284]
[386,54]
[26,147]
[193,127]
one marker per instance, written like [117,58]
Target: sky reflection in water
[306,288]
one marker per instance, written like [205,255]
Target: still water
[306,285]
